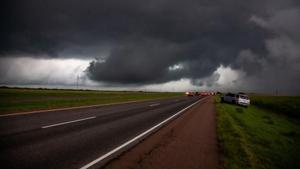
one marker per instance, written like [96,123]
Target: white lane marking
[155,104]
[67,122]
[136,138]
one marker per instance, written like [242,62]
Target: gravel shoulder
[190,141]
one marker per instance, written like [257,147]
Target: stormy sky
[174,45]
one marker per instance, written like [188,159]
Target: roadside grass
[288,105]
[17,99]
[256,137]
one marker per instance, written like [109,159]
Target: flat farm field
[14,100]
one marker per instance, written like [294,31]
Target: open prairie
[16,100]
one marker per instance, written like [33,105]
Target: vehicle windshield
[243,97]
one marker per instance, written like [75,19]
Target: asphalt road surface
[187,142]
[74,138]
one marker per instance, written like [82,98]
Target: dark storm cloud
[49,27]
[138,41]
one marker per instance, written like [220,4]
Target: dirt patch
[190,142]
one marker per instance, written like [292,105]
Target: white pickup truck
[240,99]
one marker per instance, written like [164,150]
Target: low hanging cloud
[33,71]
[137,42]
[279,68]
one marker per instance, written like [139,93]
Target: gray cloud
[138,41]
[279,68]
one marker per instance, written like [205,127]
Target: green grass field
[288,105]
[18,100]
[260,136]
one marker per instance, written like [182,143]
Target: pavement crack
[166,140]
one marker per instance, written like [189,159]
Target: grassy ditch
[17,100]
[256,137]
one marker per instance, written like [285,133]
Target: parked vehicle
[239,99]
[243,100]
[229,98]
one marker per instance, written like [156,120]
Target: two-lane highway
[74,138]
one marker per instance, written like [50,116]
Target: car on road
[239,99]
[204,94]
[189,93]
